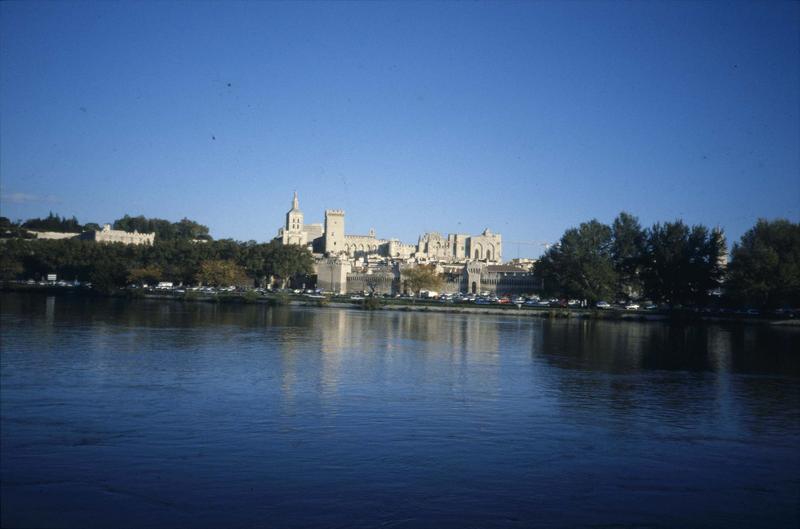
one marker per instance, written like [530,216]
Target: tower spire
[295,202]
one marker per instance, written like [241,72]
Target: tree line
[675,264]
[670,262]
[109,266]
[165,230]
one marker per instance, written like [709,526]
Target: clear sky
[526,118]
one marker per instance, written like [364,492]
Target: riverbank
[420,305]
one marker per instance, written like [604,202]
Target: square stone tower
[334,231]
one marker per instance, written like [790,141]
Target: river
[152,413]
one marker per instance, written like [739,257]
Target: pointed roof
[295,202]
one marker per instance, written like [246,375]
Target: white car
[632,306]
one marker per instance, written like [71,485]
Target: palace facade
[331,240]
[356,263]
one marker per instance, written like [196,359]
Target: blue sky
[527,118]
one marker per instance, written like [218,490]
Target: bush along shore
[371,303]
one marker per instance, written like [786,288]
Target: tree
[145,276]
[12,230]
[221,273]
[10,267]
[189,229]
[372,281]
[165,230]
[682,265]
[287,261]
[765,265]
[580,265]
[53,223]
[422,277]
[627,250]
[105,277]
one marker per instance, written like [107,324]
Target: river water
[144,413]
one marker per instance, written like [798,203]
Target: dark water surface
[169,414]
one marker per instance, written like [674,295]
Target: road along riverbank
[419,305]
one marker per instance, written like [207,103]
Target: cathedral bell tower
[293,232]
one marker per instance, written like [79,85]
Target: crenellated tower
[334,231]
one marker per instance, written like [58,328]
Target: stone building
[457,247]
[295,231]
[332,239]
[487,247]
[124,237]
[356,263]
[332,274]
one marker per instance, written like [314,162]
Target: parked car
[632,306]
[602,305]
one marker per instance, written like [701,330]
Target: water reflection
[683,372]
[330,417]
[629,347]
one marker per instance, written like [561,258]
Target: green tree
[765,265]
[580,265]
[291,261]
[253,257]
[10,267]
[627,251]
[422,277]
[189,229]
[105,277]
[185,229]
[682,265]
[147,275]
[53,223]
[12,230]
[221,273]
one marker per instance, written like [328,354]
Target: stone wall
[332,274]
[379,282]
[53,234]
[107,235]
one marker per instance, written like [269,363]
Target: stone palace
[356,263]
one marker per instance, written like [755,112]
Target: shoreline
[343,302]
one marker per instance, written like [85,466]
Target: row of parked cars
[530,301]
[630,305]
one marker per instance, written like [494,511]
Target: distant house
[125,237]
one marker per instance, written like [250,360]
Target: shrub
[251,296]
[371,304]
